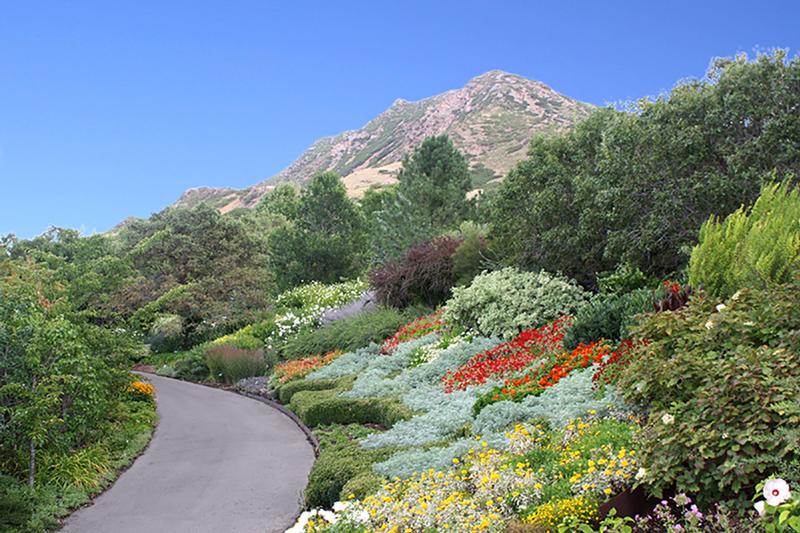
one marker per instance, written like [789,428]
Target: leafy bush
[347,334]
[166,334]
[424,274]
[757,247]
[508,301]
[470,256]
[192,367]
[606,316]
[84,468]
[327,407]
[636,186]
[721,382]
[17,504]
[243,339]
[624,279]
[230,364]
[363,484]
[343,467]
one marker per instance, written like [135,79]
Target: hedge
[327,407]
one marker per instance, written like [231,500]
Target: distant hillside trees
[635,187]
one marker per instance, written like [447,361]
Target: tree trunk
[32,458]
[32,465]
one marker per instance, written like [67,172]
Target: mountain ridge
[490,119]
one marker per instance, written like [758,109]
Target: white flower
[340,506]
[721,308]
[709,324]
[640,474]
[328,516]
[759,505]
[668,419]
[776,491]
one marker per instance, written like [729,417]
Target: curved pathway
[218,462]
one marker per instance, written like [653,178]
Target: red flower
[417,328]
[509,357]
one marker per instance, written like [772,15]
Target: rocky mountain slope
[490,120]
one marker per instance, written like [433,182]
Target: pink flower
[776,491]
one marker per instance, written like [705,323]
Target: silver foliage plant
[505,302]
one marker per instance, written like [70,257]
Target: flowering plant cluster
[300,368]
[609,370]
[779,509]
[671,296]
[489,486]
[528,347]
[419,327]
[430,352]
[546,374]
[305,305]
[609,472]
[142,391]
[317,294]
[549,516]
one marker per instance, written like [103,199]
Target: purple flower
[677,527]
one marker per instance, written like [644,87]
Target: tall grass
[229,364]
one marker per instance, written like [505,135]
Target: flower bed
[545,375]
[542,478]
[300,368]
[509,357]
[420,327]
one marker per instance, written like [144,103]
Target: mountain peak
[490,120]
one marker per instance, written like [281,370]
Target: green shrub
[624,279]
[470,256]
[607,316]
[508,301]
[334,469]
[17,504]
[721,382]
[286,391]
[230,364]
[757,247]
[243,339]
[327,407]
[347,334]
[166,334]
[364,484]
[84,468]
[192,367]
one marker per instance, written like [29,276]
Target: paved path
[218,462]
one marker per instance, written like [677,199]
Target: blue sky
[112,109]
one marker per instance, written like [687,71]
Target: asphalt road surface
[218,462]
